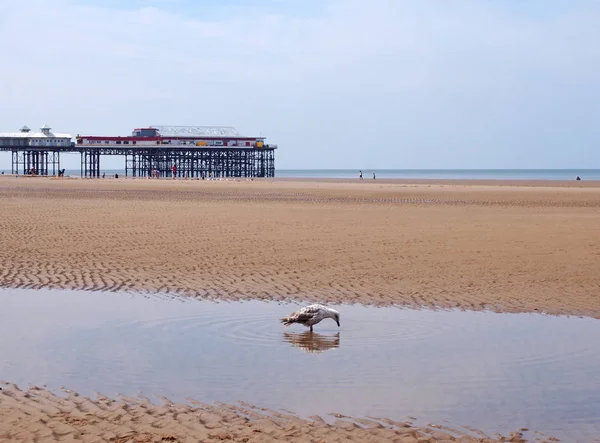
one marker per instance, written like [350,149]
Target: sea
[469,174]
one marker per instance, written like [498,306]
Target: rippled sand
[37,415]
[495,246]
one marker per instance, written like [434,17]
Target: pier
[164,151]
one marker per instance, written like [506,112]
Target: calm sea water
[480,174]
[498,174]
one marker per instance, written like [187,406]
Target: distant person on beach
[360,175]
[373,176]
[578,178]
[174,169]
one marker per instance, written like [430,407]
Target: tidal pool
[493,372]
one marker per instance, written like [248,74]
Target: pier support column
[15,162]
[54,160]
[90,163]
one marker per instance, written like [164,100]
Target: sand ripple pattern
[38,415]
[505,248]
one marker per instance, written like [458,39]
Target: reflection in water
[493,372]
[312,342]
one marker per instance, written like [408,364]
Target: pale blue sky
[336,83]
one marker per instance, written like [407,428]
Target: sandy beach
[504,247]
[37,415]
[497,245]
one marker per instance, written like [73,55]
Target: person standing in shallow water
[360,175]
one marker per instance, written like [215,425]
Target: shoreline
[501,182]
[40,414]
[448,181]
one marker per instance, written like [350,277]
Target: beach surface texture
[497,245]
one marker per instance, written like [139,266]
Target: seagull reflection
[312,342]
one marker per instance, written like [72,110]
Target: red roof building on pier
[178,136]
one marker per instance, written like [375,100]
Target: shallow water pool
[494,372]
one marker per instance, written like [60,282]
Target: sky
[375,84]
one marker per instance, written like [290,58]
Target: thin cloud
[384,83]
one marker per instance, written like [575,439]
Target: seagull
[311,315]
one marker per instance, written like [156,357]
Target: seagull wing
[303,315]
[312,309]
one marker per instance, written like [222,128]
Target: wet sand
[504,246]
[37,415]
